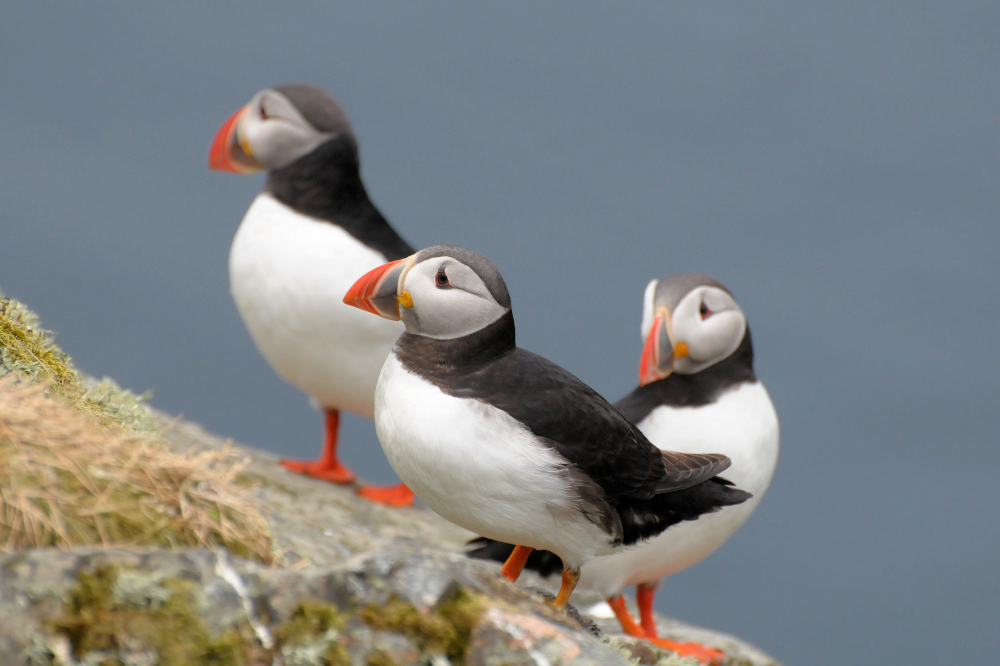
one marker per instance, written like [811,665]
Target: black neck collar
[433,358]
[326,184]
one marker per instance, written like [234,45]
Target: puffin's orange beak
[226,153]
[377,291]
[657,361]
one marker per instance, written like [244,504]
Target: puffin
[306,237]
[697,393]
[506,443]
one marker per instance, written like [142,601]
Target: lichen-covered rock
[161,607]
[507,637]
[120,606]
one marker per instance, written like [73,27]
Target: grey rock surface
[347,558]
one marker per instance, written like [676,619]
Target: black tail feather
[642,519]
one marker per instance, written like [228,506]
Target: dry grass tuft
[65,480]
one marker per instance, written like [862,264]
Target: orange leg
[514,565]
[629,626]
[398,495]
[644,594]
[570,577]
[327,468]
[644,598]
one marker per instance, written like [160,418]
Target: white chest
[288,274]
[742,424]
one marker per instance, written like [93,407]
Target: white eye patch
[712,338]
[465,307]
[283,136]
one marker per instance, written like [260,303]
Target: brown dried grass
[66,480]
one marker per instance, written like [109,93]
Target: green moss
[380,658]
[309,621]
[168,624]
[463,610]
[30,351]
[337,655]
[121,405]
[445,630]
[317,625]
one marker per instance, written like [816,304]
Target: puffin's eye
[263,113]
[441,280]
[704,311]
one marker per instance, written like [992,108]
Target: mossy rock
[106,619]
[167,627]
[445,630]
[311,635]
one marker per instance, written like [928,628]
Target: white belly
[288,274]
[479,468]
[743,425]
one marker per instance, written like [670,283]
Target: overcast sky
[837,167]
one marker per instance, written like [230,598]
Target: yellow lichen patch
[445,630]
[65,481]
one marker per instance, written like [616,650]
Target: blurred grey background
[837,166]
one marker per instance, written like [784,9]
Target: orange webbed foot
[318,469]
[397,496]
[702,653]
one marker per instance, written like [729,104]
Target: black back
[326,184]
